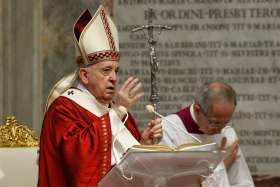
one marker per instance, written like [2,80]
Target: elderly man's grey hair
[212,92]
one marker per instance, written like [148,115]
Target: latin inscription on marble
[235,41]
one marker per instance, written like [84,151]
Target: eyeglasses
[216,122]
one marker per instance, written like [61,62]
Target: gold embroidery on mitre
[15,134]
[100,56]
[107,29]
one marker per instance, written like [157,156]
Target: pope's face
[101,79]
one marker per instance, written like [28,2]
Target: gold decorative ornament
[15,134]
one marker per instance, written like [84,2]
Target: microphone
[151,109]
[123,109]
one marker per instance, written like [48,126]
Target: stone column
[1,59]
[21,64]
[7,47]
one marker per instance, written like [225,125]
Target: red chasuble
[75,145]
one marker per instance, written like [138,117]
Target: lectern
[162,169]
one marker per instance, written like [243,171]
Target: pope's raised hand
[129,93]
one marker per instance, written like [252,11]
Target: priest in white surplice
[207,119]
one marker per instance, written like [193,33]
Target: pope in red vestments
[75,148]
[82,125]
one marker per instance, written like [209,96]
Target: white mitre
[96,39]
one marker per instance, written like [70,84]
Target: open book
[203,146]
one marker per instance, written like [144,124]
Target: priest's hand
[232,152]
[152,132]
[129,93]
